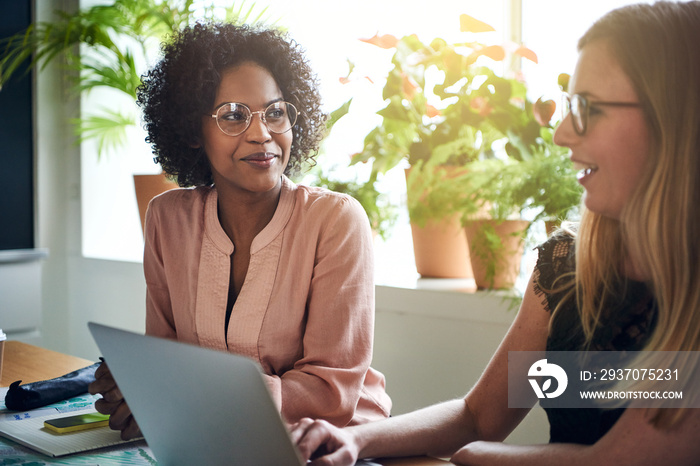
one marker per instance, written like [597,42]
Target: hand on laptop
[323,443]
[113,403]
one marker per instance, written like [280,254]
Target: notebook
[195,405]
[27,428]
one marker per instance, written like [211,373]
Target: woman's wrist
[356,440]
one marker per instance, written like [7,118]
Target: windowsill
[416,282]
[396,268]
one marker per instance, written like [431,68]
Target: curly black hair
[182,87]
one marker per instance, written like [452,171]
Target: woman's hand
[323,443]
[113,403]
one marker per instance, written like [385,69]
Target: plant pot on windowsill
[440,249]
[496,249]
[147,187]
[439,240]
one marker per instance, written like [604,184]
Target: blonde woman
[628,279]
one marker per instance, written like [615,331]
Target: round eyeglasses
[580,107]
[234,118]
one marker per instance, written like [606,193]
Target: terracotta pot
[147,187]
[441,249]
[496,268]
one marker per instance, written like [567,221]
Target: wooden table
[412,461]
[30,363]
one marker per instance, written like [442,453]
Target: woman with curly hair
[242,259]
[627,280]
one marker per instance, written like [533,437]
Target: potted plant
[108,46]
[540,187]
[480,152]
[503,196]
[435,120]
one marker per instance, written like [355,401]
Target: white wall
[75,289]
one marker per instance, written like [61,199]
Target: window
[329,30]
[552,28]
[17,188]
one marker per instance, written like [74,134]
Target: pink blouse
[305,311]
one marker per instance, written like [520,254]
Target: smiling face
[254,161]
[612,154]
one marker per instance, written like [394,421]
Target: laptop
[195,405]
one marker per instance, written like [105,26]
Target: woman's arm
[159,313]
[633,440]
[434,430]
[328,379]
[440,429]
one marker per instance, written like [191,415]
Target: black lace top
[628,321]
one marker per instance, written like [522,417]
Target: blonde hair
[658,48]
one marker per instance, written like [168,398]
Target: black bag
[37,394]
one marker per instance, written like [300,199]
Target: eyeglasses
[580,107]
[234,118]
